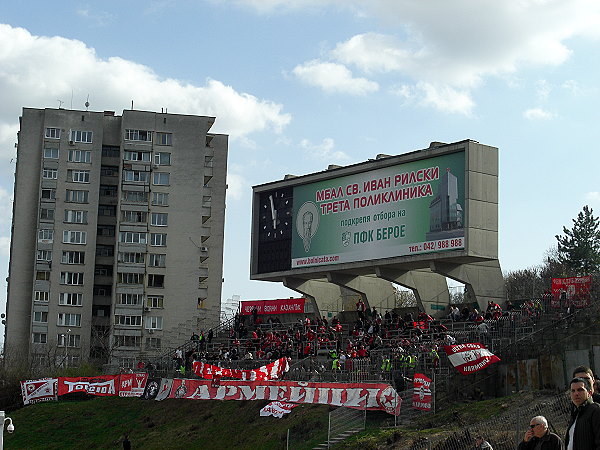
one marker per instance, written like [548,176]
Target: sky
[301,84]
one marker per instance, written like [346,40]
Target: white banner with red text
[369,396]
[421,398]
[36,391]
[270,371]
[277,409]
[469,358]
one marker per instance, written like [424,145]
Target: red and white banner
[165,389]
[277,409]
[576,290]
[100,385]
[271,371]
[36,391]
[369,396]
[469,358]
[279,306]
[132,384]
[421,398]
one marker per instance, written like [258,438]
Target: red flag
[421,392]
[469,358]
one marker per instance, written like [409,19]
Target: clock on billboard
[275,230]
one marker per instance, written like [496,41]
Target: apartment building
[117,234]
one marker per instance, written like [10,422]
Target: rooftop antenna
[87,102]
[60,102]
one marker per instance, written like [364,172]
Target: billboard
[405,209]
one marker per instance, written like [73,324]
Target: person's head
[539,426]
[479,440]
[585,373]
[581,390]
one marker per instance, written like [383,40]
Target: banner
[406,209]
[280,306]
[575,290]
[469,358]
[165,389]
[100,385]
[132,384]
[277,409]
[36,391]
[421,392]
[369,396]
[271,371]
[152,387]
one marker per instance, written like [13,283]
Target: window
[102,290]
[70,299]
[160,198]
[108,191]
[75,216]
[107,210]
[129,155]
[158,239]
[157,260]
[159,219]
[78,176]
[138,135]
[80,156]
[134,196]
[130,237]
[131,257]
[44,255]
[45,235]
[42,296]
[50,153]
[161,178]
[72,257]
[40,316]
[132,321]
[75,196]
[48,194]
[69,320]
[105,230]
[74,237]
[162,159]
[155,301]
[46,214]
[111,151]
[208,161]
[105,250]
[42,275]
[130,278]
[52,133]
[136,176]
[164,138]
[72,278]
[153,343]
[50,174]
[155,280]
[40,338]
[128,341]
[154,323]
[103,270]
[80,136]
[109,171]
[131,299]
[71,340]
[134,216]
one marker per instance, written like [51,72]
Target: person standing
[539,437]
[481,443]
[126,443]
[583,432]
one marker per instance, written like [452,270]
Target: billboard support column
[483,279]
[319,293]
[374,291]
[430,289]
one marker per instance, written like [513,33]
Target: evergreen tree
[579,247]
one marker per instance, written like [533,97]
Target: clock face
[275,220]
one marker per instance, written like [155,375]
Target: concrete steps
[337,439]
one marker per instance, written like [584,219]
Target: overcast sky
[300,84]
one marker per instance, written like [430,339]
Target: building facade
[117,234]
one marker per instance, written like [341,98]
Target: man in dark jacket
[587,373]
[539,437]
[583,432]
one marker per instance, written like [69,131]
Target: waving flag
[469,358]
